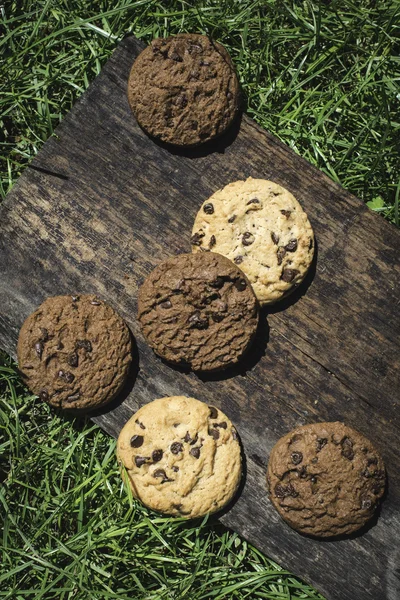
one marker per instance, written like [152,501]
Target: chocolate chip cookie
[261,227]
[180,457]
[198,310]
[183,89]
[325,479]
[74,352]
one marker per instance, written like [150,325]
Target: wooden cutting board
[102,204]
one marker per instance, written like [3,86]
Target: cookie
[74,352]
[325,479]
[183,89]
[261,227]
[181,457]
[198,310]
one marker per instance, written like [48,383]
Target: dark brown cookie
[74,352]
[325,479]
[183,89]
[198,310]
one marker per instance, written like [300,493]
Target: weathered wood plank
[102,204]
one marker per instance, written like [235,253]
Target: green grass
[71,530]
[323,76]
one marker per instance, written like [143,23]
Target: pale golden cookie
[181,456]
[262,228]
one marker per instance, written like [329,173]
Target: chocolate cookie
[261,227]
[181,457]
[198,310]
[183,89]
[74,352]
[325,479]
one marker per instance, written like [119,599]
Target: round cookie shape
[184,90]
[261,227]
[74,352]
[325,479]
[198,310]
[181,457]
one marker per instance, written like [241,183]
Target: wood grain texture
[102,204]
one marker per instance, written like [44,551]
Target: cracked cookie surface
[198,310]
[74,352]
[261,227]
[183,89]
[181,456]
[325,479]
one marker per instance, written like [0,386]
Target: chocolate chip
[291,246]
[175,468]
[195,452]
[321,442]
[212,241]
[197,321]
[96,302]
[157,455]
[213,412]
[189,440]
[275,238]
[234,434]
[218,283]
[253,201]
[208,208]
[161,473]
[231,219]
[281,252]
[289,274]
[240,285]
[75,298]
[85,344]
[166,304]
[366,503]
[196,238]
[297,457]
[302,472]
[372,461]
[247,239]
[140,424]
[283,491]
[44,395]
[60,345]
[73,359]
[39,349]
[223,425]
[347,448]
[66,376]
[205,63]
[238,259]
[213,432]
[176,447]
[287,213]
[137,441]
[73,397]
[140,460]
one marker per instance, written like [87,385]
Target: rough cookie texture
[261,227]
[325,479]
[198,310]
[181,456]
[74,352]
[183,89]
